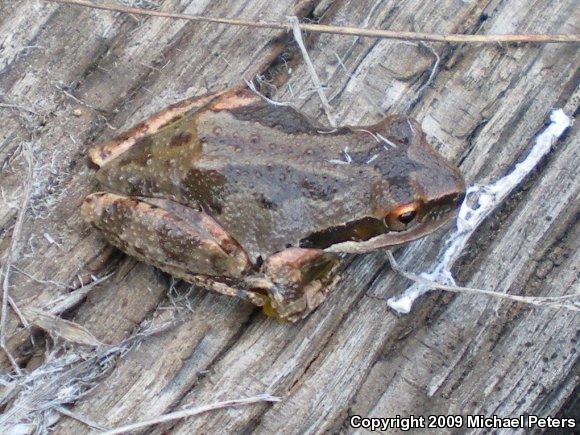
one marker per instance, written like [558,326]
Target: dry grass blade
[61,328]
[32,398]
[192,411]
[313,75]
[336,30]
[80,418]
[71,299]
[14,251]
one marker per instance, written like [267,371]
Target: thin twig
[65,378]
[17,311]
[545,301]
[41,281]
[78,100]
[434,69]
[14,106]
[336,30]
[11,359]
[14,251]
[250,84]
[68,300]
[78,417]
[313,75]
[192,411]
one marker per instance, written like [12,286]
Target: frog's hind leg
[184,242]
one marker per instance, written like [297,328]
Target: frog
[257,201]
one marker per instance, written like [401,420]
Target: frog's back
[274,184]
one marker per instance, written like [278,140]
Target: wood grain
[86,74]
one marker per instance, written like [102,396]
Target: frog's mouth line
[393,238]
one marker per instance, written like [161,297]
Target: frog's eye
[399,218]
[407,217]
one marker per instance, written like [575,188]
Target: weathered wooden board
[481,106]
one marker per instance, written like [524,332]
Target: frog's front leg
[299,280]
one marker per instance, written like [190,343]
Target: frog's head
[417,192]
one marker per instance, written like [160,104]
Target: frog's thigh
[179,240]
[302,278]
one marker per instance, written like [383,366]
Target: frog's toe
[301,280]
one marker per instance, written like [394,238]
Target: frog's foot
[301,279]
[179,240]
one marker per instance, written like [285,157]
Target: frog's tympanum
[254,200]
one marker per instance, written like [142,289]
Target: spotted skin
[246,194]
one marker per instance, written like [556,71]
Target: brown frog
[254,200]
